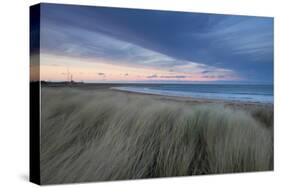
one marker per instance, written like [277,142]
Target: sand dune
[98,135]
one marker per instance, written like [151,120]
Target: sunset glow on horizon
[55,68]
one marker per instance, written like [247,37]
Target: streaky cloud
[224,47]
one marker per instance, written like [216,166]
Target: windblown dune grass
[103,135]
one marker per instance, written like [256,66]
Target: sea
[228,92]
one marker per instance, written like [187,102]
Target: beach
[93,132]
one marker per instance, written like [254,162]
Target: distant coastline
[258,93]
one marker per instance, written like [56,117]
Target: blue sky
[165,45]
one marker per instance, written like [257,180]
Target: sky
[98,44]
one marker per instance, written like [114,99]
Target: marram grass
[89,135]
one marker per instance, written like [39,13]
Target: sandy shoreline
[192,99]
[185,99]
